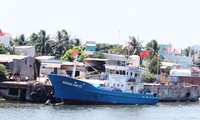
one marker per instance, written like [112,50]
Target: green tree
[99,55]
[2,68]
[136,46]
[42,43]
[6,50]
[188,51]
[103,47]
[3,71]
[10,50]
[148,77]
[77,42]
[154,65]
[68,55]
[21,40]
[63,42]
[33,39]
[167,70]
[2,49]
[116,49]
[152,47]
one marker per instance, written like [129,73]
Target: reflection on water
[165,111]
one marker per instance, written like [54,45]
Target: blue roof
[182,60]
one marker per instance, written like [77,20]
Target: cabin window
[131,73]
[121,72]
[112,71]
[114,85]
[30,66]
[117,72]
[117,85]
[131,80]
[136,74]
[124,73]
[132,87]
[25,61]
[122,85]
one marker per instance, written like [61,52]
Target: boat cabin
[125,76]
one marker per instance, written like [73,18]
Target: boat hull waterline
[74,91]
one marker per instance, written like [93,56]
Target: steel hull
[73,91]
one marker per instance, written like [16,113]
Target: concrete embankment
[172,93]
[33,91]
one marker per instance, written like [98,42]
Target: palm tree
[62,43]
[135,46]
[19,41]
[152,47]
[189,52]
[42,43]
[33,39]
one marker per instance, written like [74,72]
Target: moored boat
[123,86]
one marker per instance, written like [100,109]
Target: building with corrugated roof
[47,65]
[21,67]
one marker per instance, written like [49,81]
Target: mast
[74,69]
[75,53]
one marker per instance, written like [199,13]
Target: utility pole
[157,63]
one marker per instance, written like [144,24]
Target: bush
[148,77]
[2,72]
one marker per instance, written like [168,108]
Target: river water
[10,110]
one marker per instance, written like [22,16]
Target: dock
[174,93]
[32,91]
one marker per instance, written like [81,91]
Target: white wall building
[21,66]
[49,65]
[25,50]
[90,47]
[5,40]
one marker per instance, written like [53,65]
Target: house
[5,39]
[20,67]
[90,48]
[48,65]
[195,71]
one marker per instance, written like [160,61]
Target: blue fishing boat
[122,86]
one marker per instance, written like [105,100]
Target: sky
[106,21]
